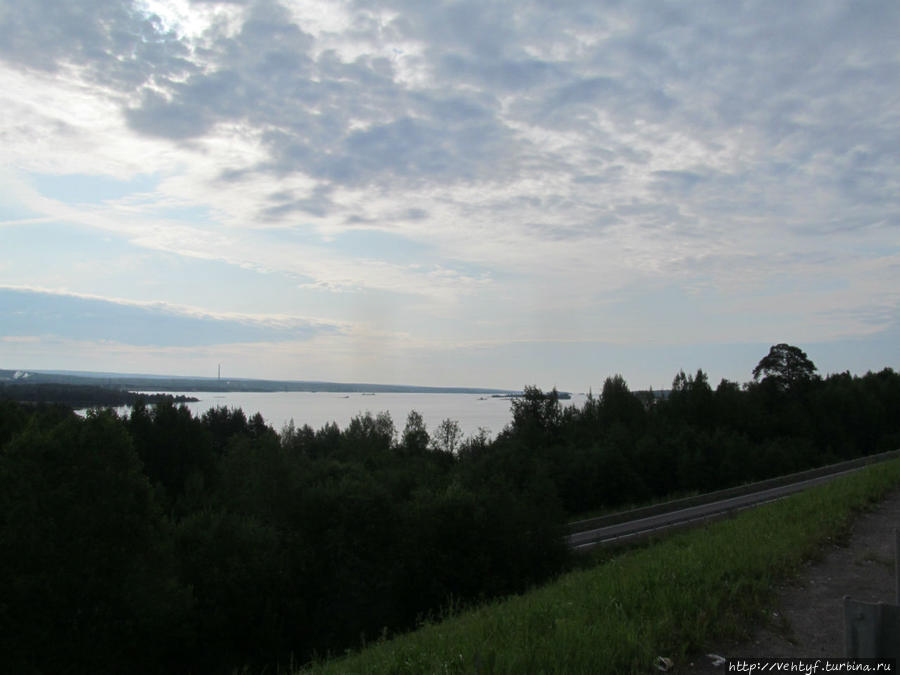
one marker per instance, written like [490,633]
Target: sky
[468,193]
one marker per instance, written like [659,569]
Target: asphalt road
[618,532]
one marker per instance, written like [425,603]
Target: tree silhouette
[415,434]
[447,437]
[786,366]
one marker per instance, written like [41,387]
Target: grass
[665,599]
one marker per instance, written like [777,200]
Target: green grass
[668,598]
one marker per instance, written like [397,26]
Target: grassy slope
[665,599]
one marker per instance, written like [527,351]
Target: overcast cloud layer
[461,193]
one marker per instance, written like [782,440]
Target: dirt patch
[807,615]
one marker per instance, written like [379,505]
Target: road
[617,528]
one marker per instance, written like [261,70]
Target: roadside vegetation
[163,542]
[669,598]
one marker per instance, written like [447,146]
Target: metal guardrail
[688,510]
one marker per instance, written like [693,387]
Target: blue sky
[449,193]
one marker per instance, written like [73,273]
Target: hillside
[672,598]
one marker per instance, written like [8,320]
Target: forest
[78,395]
[164,542]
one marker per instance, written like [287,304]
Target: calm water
[319,408]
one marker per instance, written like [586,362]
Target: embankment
[667,598]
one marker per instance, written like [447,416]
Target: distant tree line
[165,542]
[622,448]
[78,395]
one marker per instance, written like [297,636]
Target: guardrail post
[872,630]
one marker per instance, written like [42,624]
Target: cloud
[29,312]
[157,116]
[117,45]
[472,167]
[627,95]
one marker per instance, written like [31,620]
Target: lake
[472,411]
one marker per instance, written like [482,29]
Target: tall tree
[786,366]
[447,437]
[536,415]
[415,434]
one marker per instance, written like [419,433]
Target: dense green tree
[656,459]
[619,406]
[87,571]
[691,400]
[415,434]
[729,404]
[327,441]
[480,539]
[368,434]
[12,420]
[259,476]
[300,441]
[175,447]
[537,416]
[222,423]
[236,565]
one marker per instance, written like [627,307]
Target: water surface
[472,411]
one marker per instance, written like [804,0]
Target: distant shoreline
[79,396]
[192,384]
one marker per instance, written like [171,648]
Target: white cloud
[535,162]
